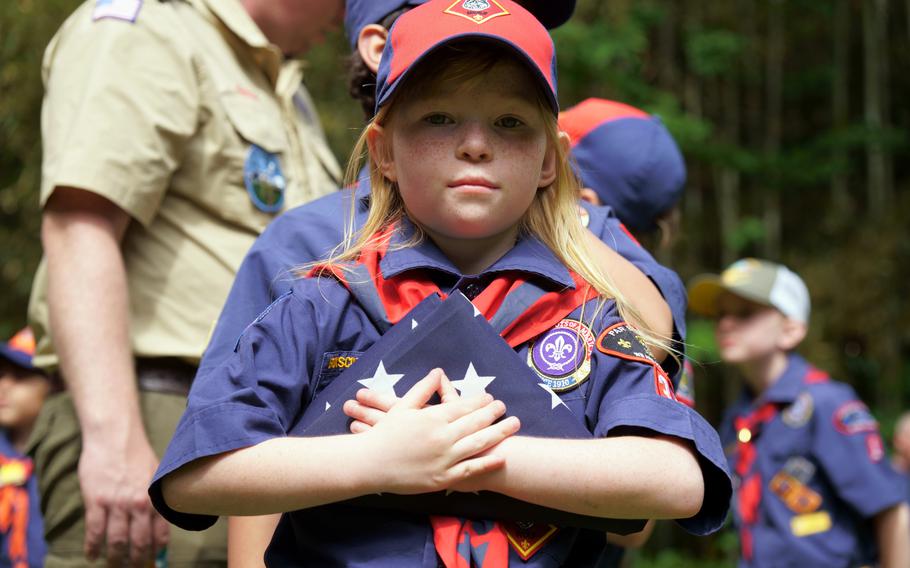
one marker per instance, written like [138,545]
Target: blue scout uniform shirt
[21,511]
[310,232]
[285,359]
[822,470]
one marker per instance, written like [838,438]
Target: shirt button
[472,290]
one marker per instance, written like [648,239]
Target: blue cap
[19,350]
[628,157]
[361,13]
[438,22]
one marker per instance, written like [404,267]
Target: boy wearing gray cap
[813,485]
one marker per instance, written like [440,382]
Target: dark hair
[361,80]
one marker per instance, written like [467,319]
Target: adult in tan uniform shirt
[173,132]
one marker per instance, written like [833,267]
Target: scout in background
[469,181]
[628,161]
[813,484]
[23,388]
[901,459]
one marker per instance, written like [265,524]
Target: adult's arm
[89,314]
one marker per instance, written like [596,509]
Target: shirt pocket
[333,364]
[247,121]
[256,121]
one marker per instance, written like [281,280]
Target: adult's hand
[89,315]
[118,512]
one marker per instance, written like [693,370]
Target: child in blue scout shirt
[901,458]
[814,485]
[23,389]
[472,193]
[627,160]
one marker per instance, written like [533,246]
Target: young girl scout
[471,193]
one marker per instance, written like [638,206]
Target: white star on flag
[381,381]
[554,398]
[327,406]
[413,323]
[472,385]
[476,311]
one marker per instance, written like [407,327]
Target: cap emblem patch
[478,11]
[739,272]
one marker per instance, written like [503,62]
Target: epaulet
[815,376]
[126,10]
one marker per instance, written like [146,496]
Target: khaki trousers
[55,446]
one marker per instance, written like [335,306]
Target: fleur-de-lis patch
[562,356]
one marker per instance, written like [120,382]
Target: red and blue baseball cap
[20,349]
[628,157]
[437,23]
[361,13]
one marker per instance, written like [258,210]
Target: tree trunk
[840,111]
[774,72]
[728,178]
[876,166]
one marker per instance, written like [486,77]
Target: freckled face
[469,159]
[746,330]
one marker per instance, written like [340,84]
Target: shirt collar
[529,255]
[237,21]
[789,385]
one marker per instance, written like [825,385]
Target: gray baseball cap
[761,281]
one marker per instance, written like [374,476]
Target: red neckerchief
[455,538]
[14,509]
[401,293]
[750,487]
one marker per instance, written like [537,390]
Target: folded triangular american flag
[453,335]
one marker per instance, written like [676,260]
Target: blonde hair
[552,217]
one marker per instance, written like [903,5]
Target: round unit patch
[799,412]
[562,356]
[263,179]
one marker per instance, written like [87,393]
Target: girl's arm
[285,474]
[623,477]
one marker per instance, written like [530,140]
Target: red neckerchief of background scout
[455,537]
[14,474]
[747,429]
